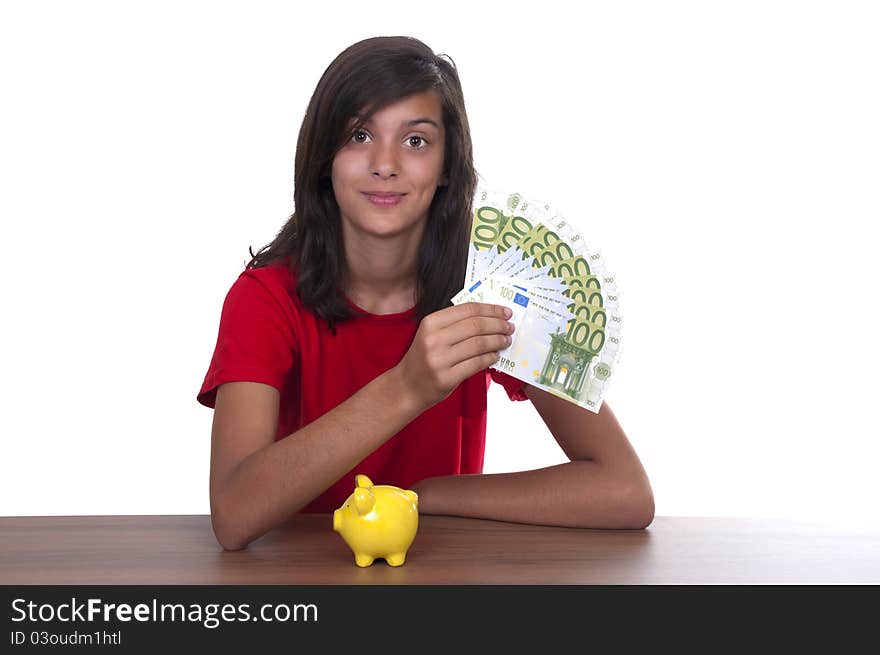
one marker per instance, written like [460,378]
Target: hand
[451,345]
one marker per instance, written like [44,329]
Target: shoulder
[264,300]
[276,274]
[275,281]
[259,335]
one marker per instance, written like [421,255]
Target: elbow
[225,530]
[641,510]
[632,508]
[230,545]
[227,537]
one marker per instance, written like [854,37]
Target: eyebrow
[415,121]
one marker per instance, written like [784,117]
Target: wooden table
[177,549]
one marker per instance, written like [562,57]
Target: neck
[381,273]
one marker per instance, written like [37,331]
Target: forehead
[420,108]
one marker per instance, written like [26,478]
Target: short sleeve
[256,341]
[515,388]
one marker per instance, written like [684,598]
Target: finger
[476,346]
[473,326]
[449,315]
[474,365]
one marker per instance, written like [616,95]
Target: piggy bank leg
[363,560]
[396,560]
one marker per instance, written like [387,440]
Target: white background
[722,156]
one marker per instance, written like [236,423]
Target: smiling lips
[384,198]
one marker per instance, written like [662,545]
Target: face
[398,150]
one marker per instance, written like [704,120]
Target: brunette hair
[362,79]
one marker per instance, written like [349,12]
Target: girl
[339,351]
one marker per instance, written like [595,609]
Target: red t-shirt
[267,335]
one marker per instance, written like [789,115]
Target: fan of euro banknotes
[527,256]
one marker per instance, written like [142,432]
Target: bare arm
[278,478]
[603,486]
[257,482]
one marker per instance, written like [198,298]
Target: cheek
[341,169]
[434,168]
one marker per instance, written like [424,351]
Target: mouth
[384,198]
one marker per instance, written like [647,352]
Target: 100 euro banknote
[527,256]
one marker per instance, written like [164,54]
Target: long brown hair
[362,79]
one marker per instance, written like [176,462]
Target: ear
[361,480]
[363,500]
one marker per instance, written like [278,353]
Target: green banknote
[526,255]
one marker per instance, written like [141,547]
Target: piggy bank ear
[363,500]
[362,480]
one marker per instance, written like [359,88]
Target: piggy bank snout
[337,521]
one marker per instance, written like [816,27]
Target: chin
[386,231]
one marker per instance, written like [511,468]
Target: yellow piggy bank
[378,521]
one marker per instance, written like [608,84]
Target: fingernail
[507,312]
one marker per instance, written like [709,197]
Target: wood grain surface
[178,549]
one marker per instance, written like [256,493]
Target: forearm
[579,493]
[280,479]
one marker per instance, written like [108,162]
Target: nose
[384,162]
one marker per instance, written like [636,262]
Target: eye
[417,142]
